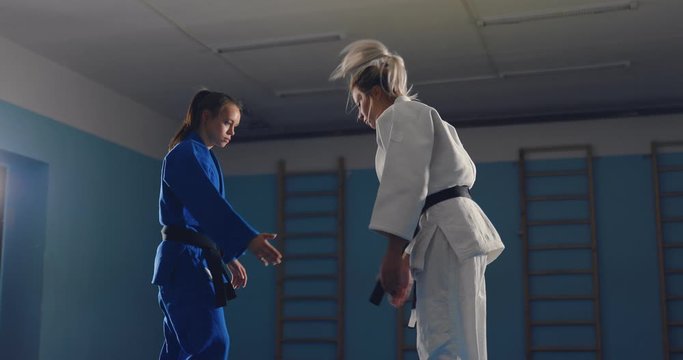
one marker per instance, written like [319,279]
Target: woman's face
[370,105]
[364,104]
[218,130]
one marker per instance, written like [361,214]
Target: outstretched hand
[261,248]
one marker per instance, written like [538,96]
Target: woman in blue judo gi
[201,234]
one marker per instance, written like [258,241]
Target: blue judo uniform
[193,197]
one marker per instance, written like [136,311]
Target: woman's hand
[238,274]
[395,272]
[406,277]
[263,250]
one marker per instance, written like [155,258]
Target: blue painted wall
[627,258]
[100,233]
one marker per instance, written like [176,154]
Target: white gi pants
[451,304]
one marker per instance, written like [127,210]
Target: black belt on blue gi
[214,260]
[433,199]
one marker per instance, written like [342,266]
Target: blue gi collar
[193,135]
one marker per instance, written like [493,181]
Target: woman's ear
[206,115]
[376,92]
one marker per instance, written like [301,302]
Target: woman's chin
[222,144]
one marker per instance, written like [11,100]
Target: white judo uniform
[419,154]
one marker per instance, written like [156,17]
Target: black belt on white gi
[433,199]
[214,260]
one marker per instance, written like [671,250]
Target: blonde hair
[368,63]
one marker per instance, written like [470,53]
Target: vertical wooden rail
[594,243]
[664,247]
[279,303]
[341,260]
[524,235]
[3,186]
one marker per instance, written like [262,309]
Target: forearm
[395,244]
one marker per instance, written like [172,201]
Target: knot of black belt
[212,254]
[433,199]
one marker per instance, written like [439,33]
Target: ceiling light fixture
[281,42]
[310,91]
[503,75]
[456,80]
[558,13]
[600,66]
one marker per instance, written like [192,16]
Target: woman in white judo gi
[425,175]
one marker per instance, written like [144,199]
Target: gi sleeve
[405,178]
[186,178]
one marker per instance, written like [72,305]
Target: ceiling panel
[489,8]
[650,22]
[455,50]
[211,12]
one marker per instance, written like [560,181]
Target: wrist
[396,244]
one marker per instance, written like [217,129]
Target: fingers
[397,282]
[400,299]
[397,291]
[264,251]
[238,274]
[391,277]
[241,277]
[401,295]
[390,284]
[274,256]
[268,254]
[236,281]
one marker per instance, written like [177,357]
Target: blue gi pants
[194,328]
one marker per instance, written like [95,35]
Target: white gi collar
[401,98]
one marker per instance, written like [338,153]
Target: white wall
[487,144]
[32,82]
